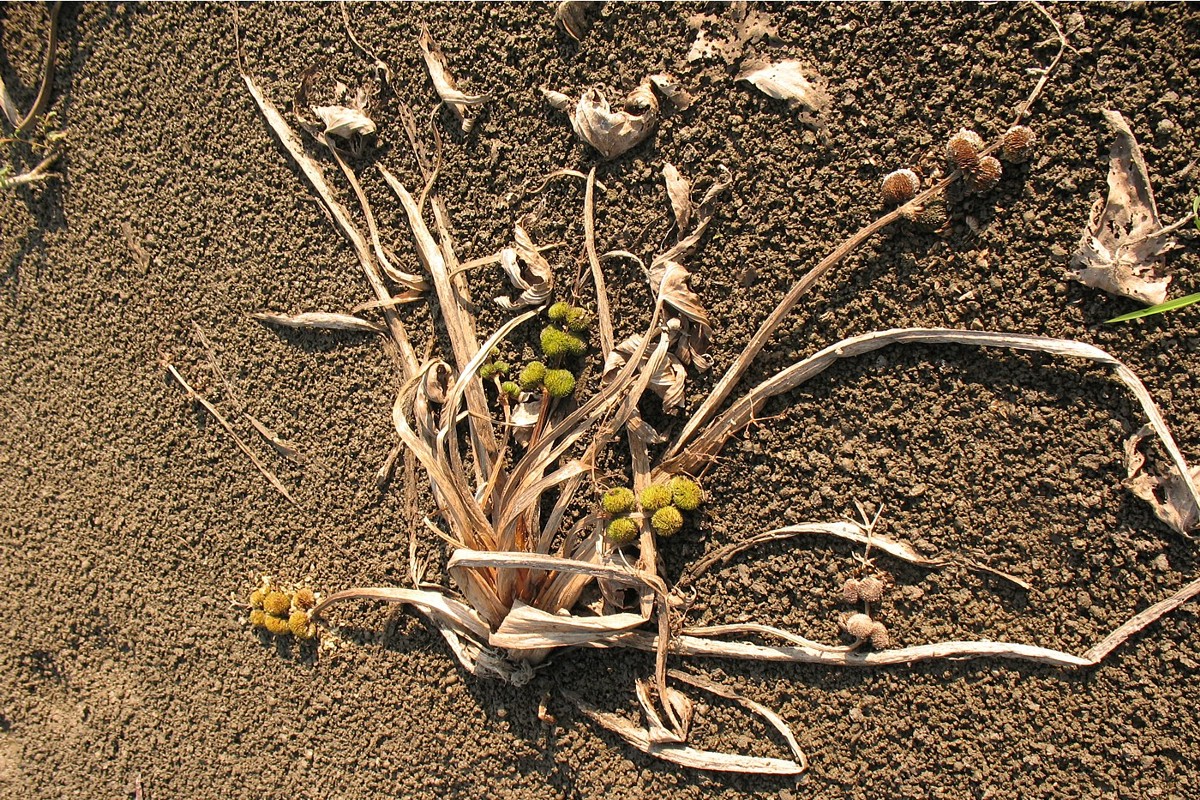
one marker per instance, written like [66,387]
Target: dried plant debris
[613,132]
[576,17]
[461,104]
[528,270]
[349,118]
[319,320]
[787,80]
[749,27]
[1173,498]
[1123,248]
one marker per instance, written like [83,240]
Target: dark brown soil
[128,519]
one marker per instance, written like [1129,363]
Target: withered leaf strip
[786,80]
[319,320]
[443,82]
[1123,247]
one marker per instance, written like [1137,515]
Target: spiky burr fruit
[256,598]
[667,521]
[850,590]
[871,589]
[879,636]
[300,625]
[859,626]
[304,599]
[559,382]
[1018,144]
[962,151]
[685,494]
[985,174]
[277,603]
[618,500]
[557,343]
[621,530]
[655,497]
[532,376]
[899,187]
[559,312]
[258,618]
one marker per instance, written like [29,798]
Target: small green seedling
[1161,308]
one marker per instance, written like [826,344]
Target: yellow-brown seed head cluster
[869,590]
[981,172]
[985,175]
[283,613]
[899,187]
[662,504]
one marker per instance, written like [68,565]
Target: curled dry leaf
[319,320]
[1170,497]
[528,270]
[1123,247]
[612,132]
[667,381]
[347,116]
[786,80]
[576,17]
[443,82]
[679,192]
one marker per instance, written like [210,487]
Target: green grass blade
[1170,305]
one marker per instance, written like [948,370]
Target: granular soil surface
[129,519]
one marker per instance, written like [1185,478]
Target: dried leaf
[680,194]
[750,26]
[1123,247]
[530,628]
[786,80]
[671,90]
[344,122]
[461,104]
[535,279]
[610,132]
[1170,497]
[319,320]
[576,17]
[667,382]
[693,331]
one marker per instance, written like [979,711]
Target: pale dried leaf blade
[1170,497]
[786,80]
[344,122]
[576,17]
[443,82]
[319,320]
[679,192]
[528,270]
[683,755]
[1123,247]
[611,132]
[668,381]
[529,628]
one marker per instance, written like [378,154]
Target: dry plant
[512,467]
[35,131]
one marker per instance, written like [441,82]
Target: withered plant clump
[512,465]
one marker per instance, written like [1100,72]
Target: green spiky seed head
[495,351]
[276,625]
[579,321]
[685,494]
[304,599]
[510,388]
[532,376]
[487,371]
[618,501]
[557,343]
[501,367]
[258,618]
[256,598]
[621,530]
[300,626]
[277,603]
[655,497]
[559,312]
[667,521]
[559,382]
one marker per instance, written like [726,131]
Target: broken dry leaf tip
[277,603]
[962,151]
[559,382]
[621,530]
[656,497]
[685,494]
[532,376]
[1018,144]
[859,626]
[667,521]
[899,187]
[880,639]
[619,500]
